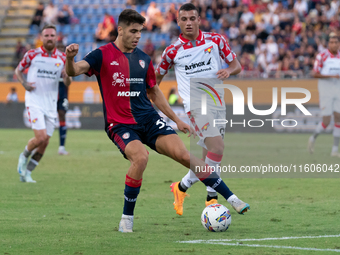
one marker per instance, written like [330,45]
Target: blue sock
[130,195]
[62,133]
[214,181]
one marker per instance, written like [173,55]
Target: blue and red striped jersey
[123,79]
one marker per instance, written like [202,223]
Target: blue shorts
[62,103]
[147,133]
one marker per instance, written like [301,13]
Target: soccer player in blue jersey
[127,81]
[62,106]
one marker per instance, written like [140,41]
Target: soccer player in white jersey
[45,67]
[198,54]
[327,70]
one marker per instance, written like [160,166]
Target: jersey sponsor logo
[332,69]
[118,78]
[128,93]
[205,127]
[114,63]
[42,71]
[135,80]
[208,50]
[198,64]
[142,63]
[126,135]
[186,56]
[47,74]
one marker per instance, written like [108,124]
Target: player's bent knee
[40,141]
[141,160]
[217,149]
[337,118]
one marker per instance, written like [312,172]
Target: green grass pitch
[76,204]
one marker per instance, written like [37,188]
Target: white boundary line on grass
[259,239]
[275,246]
[225,242]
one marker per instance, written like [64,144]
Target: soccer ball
[216,218]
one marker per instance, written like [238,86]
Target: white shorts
[329,98]
[39,120]
[204,124]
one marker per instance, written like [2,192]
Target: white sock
[26,152]
[189,179]
[32,164]
[232,198]
[319,128]
[336,137]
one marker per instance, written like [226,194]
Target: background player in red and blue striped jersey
[62,106]
[126,78]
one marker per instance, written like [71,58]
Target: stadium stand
[14,19]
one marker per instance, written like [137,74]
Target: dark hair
[188,7]
[129,16]
[49,26]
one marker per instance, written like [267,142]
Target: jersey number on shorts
[161,123]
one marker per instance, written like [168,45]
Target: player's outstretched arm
[72,68]
[156,95]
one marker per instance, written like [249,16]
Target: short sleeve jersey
[201,58]
[327,64]
[44,70]
[123,79]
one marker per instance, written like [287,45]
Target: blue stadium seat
[77,10]
[58,27]
[76,28]
[84,19]
[66,29]
[88,47]
[89,38]
[34,30]
[216,25]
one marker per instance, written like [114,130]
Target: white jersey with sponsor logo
[201,58]
[327,64]
[44,70]
[329,89]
